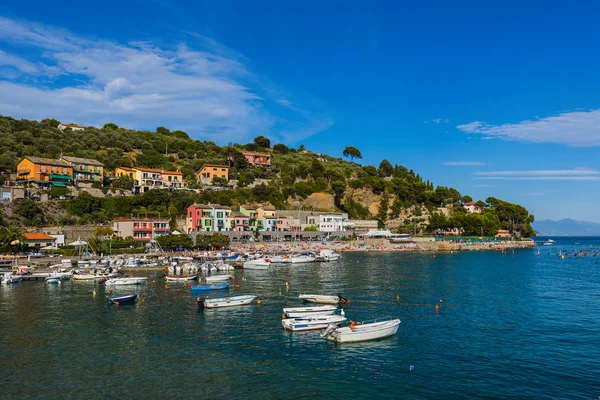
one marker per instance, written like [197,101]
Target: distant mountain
[566,227]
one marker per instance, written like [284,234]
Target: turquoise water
[511,326]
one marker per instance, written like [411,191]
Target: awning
[60,177]
[58,184]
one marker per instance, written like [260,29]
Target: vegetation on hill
[294,174]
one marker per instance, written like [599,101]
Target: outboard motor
[200,301]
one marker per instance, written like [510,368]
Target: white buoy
[342,313]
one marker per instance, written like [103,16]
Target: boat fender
[352,325]
[283,316]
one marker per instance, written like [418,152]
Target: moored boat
[53,279]
[299,312]
[218,278]
[10,278]
[323,299]
[126,281]
[90,277]
[312,322]
[303,258]
[257,264]
[181,279]
[212,286]
[130,298]
[225,301]
[362,332]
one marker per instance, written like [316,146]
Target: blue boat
[130,298]
[212,286]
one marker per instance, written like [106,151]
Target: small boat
[218,278]
[90,277]
[212,286]
[304,258]
[312,322]
[53,279]
[362,332]
[549,242]
[126,281]
[257,264]
[300,312]
[322,299]
[181,279]
[327,255]
[130,298]
[9,278]
[225,301]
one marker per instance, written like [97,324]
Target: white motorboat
[257,264]
[9,278]
[53,279]
[329,255]
[301,312]
[362,332]
[90,277]
[312,322]
[304,258]
[279,259]
[218,278]
[181,279]
[126,281]
[225,301]
[323,299]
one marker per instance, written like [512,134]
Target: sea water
[510,325]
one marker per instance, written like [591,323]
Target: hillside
[297,177]
[566,227]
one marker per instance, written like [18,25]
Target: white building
[74,127]
[334,223]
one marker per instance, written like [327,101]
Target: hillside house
[85,170]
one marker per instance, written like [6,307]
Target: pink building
[472,207]
[255,159]
[239,222]
[141,229]
[283,224]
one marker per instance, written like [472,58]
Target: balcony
[142,229]
[23,172]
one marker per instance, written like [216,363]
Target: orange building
[173,179]
[211,171]
[37,169]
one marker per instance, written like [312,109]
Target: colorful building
[255,159]
[41,170]
[472,207]
[147,178]
[74,127]
[85,170]
[267,217]
[209,172]
[239,222]
[38,240]
[208,218]
[252,215]
[141,229]
[173,179]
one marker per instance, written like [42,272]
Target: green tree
[352,152]
[281,148]
[262,142]
[385,168]
[163,131]
[111,126]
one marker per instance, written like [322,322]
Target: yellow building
[40,170]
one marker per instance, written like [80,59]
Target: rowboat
[257,264]
[212,286]
[362,332]
[225,301]
[318,298]
[218,278]
[130,298]
[90,277]
[126,281]
[312,322]
[299,312]
[180,279]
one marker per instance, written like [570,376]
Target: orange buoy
[397,297]
[116,302]
[283,316]
[166,287]
[437,308]
[237,286]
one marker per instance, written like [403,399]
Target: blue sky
[492,100]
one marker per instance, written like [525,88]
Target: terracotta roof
[47,161]
[202,206]
[126,169]
[37,236]
[253,153]
[470,203]
[158,171]
[219,206]
[214,165]
[77,160]
[171,173]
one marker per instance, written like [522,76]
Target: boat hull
[218,278]
[320,299]
[181,279]
[213,286]
[126,281]
[232,301]
[300,312]
[311,323]
[122,299]
[257,264]
[363,333]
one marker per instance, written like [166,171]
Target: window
[214,169]
[223,169]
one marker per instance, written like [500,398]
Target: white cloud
[437,120]
[284,102]
[464,163]
[576,128]
[205,91]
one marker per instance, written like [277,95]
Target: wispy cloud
[542,172]
[464,163]
[439,121]
[201,86]
[576,128]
